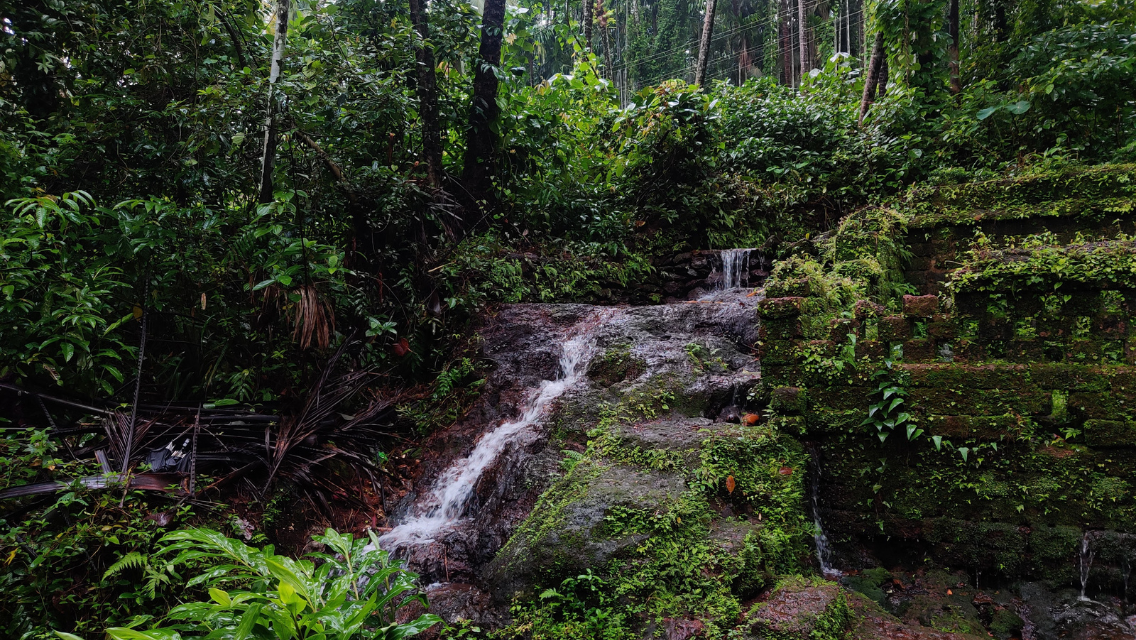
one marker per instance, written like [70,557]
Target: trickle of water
[1086,563]
[452,492]
[824,551]
[735,268]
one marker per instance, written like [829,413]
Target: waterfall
[824,551]
[447,502]
[1086,563]
[735,268]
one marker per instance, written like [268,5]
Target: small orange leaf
[730,484]
[750,418]
[950,593]
[785,471]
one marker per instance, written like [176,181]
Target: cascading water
[448,500]
[824,551]
[735,268]
[1086,563]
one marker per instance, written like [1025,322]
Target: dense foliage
[131,142]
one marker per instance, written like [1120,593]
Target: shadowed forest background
[266,229]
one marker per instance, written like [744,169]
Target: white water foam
[452,492]
[735,268]
[824,551]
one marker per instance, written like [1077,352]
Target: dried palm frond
[312,318]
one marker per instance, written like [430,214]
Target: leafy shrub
[351,594]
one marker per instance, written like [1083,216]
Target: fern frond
[132,560]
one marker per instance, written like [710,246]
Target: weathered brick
[1100,406]
[1110,433]
[969,351]
[1111,326]
[780,329]
[893,328]
[781,307]
[864,309]
[920,306]
[1083,350]
[873,349]
[942,330]
[780,352]
[840,398]
[977,427]
[919,350]
[990,402]
[995,329]
[1025,351]
[790,400]
[961,376]
[797,287]
[839,328]
[1068,377]
[833,421]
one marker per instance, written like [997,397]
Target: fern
[132,560]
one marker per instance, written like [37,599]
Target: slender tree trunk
[589,18]
[802,30]
[605,37]
[953,48]
[873,76]
[785,41]
[483,110]
[882,83]
[427,96]
[268,156]
[704,46]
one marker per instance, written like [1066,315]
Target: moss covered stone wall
[1015,378]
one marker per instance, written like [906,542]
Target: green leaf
[67,636]
[986,113]
[220,597]
[1019,107]
[965,451]
[938,440]
[68,350]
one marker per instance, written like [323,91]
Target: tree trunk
[873,76]
[268,156]
[785,41]
[605,37]
[953,48]
[483,110]
[882,83]
[704,47]
[589,18]
[802,30]
[427,96]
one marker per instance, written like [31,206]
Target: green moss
[616,365]
[1096,193]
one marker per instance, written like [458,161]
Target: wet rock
[801,608]
[871,622]
[1062,615]
[565,536]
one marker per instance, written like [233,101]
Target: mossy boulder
[801,609]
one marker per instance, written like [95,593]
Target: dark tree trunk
[882,83]
[873,76]
[953,48]
[704,46]
[427,96]
[483,111]
[589,18]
